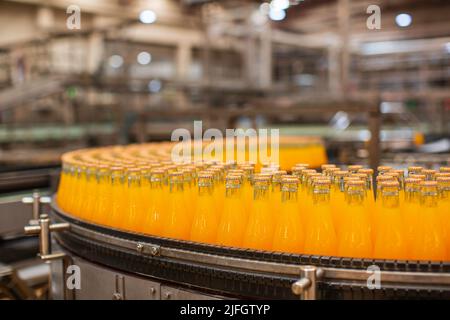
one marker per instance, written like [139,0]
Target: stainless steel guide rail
[304,280]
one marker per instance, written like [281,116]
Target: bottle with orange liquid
[259,231]
[145,196]
[155,212]
[79,193]
[133,217]
[233,222]
[390,238]
[411,210]
[247,186]
[337,198]
[97,205]
[320,235]
[444,207]
[275,191]
[354,237]
[205,221]
[63,187]
[117,203]
[289,231]
[177,223]
[428,242]
[91,192]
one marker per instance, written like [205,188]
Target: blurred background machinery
[135,70]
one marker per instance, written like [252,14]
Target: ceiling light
[403,20]
[147,16]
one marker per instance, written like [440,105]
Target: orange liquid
[232,224]
[79,194]
[354,237]
[428,242]
[103,206]
[320,237]
[133,212]
[410,215]
[71,187]
[92,197]
[62,189]
[391,240]
[444,219]
[155,213]
[205,222]
[259,232]
[289,231]
[118,203]
[338,209]
[177,224]
[275,202]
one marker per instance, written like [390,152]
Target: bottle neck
[412,195]
[390,200]
[289,196]
[321,194]
[260,193]
[156,184]
[102,176]
[429,198]
[205,190]
[176,187]
[117,178]
[233,192]
[134,181]
[355,197]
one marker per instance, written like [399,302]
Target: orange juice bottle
[80,191]
[155,212]
[87,206]
[205,221]
[117,205]
[429,241]
[145,192]
[390,239]
[71,187]
[99,195]
[133,209]
[177,223]
[306,207]
[247,185]
[354,239]
[259,231]
[218,187]
[378,204]
[411,210]
[234,219]
[444,207]
[275,191]
[189,191]
[61,198]
[337,198]
[320,235]
[289,231]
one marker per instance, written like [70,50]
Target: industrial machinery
[113,264]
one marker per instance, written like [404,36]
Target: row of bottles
[333,212]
